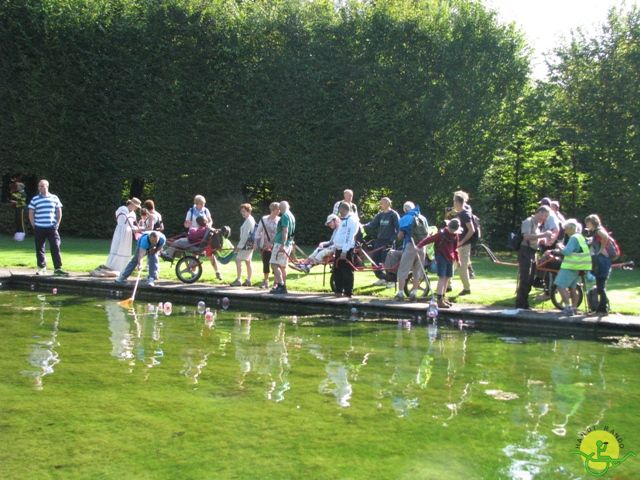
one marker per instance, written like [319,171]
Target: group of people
[547,233]
[544,233]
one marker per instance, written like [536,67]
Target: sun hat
[545,201]
[135,201]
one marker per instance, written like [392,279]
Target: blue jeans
[152,258]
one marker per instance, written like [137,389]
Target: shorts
[567,278]
[244,255]
[444,268]
[280,254]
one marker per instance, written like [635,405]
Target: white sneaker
[399,296]
[391,284]
[413,296]
[380,283]
[42,271]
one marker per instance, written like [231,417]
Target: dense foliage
[226,98]
[262,100]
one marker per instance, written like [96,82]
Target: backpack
[251,239]
[613,249]
[514,240]
[419,228]
[593,302]
[477,235]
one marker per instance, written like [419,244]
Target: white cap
[331,218]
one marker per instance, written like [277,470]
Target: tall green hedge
[227,98]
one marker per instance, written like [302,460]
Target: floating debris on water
[624,341]
[501,395]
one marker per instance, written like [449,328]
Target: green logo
[600,450]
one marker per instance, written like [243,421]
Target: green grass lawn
[494,284]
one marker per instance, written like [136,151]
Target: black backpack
[593,302]
[514,240]
[477,235]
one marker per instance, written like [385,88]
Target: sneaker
[399,296]
[246,283]
[568,311]
[61,273]
[413,296]
[390,285]
[298,266]
[464,292]
[151,282]
[279,290]
[264,284]
[42,271]
[218,276]
[120,281]
[380,283]
[236,283]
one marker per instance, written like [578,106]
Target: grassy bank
[494,285]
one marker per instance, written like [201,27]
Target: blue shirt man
[45,215]
[150,245]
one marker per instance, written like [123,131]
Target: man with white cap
[324,249]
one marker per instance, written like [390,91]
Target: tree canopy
[263,100]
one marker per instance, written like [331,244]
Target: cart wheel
[423,289]
[332,282]
[189,269]
[556,299]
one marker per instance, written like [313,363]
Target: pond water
[91,390]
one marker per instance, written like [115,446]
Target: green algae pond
[91,390]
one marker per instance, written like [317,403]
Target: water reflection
[43,356]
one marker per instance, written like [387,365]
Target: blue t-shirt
[44,210]
[145,243]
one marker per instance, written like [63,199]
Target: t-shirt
[44,210]
[529,226]
[387,225]
[145,244]
[287,220]
[194,213]
[195,235]
[266,228]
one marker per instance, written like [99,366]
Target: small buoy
[201,307]
[167,307]
[225,302]
[54,291]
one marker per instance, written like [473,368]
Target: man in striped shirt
[45,214]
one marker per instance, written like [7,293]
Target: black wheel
[424,289]
[189,269]
[556,299]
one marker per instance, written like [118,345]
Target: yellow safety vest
[578,260]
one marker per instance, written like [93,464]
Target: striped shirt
[44,210]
